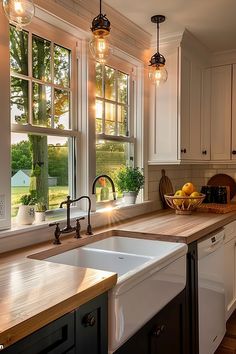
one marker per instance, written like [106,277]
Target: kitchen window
[114,123]
[43,114]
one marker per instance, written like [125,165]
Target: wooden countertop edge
[34,323]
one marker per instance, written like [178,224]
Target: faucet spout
[109,179]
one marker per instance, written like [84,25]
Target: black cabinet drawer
[55,338]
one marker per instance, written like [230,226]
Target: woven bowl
[184,205]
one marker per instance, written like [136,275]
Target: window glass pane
[122,87]
[122,120]
[41,58]
[18,51]
[99,81]
[19,101]
[61,109]
[40,168]
[110,157]
[42,103]
[61,66]
[110,117]
[99,116]
[110,91]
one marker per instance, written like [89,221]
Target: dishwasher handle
[210,245]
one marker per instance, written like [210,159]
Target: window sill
[24,235]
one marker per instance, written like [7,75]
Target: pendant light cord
[158,26]
[100,6]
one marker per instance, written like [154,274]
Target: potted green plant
[25,215]
[40,209]
[129,181]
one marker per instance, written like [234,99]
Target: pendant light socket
[157,72]
[99,44]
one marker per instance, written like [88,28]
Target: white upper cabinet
[179,129]
[221,98]
[163,116]
[191,129]
[233,147]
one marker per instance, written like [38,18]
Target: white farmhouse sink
[150,274]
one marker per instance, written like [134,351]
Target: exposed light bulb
[100,49]
[158,74]
[19,12]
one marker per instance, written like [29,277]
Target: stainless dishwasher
[211,293]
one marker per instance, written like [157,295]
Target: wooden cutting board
[222,179]
[165,187]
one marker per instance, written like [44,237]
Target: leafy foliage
[130,179]
[28,199]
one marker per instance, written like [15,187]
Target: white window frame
[135,68]
[74,44]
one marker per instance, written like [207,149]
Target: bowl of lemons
[185,200]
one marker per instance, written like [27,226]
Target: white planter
[39,216]
[130,197]
[25,215]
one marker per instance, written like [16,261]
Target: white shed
[21,178]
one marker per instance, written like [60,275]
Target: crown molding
[223,58]
[125,35]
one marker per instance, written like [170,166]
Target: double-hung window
[114,123]
[43,114]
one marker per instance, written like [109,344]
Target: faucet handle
[57,232]
[78,227]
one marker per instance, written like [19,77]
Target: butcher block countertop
[34,292]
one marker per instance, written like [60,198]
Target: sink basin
[150,274]
[116,262]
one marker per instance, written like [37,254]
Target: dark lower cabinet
[165,333]
[83,331]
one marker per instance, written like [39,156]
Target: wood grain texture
[35,293]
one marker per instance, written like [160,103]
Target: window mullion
[30,73]
[116,100]
[52,81]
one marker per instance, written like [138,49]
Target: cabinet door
[92,327]
[233,152]
[190,113]
[221,113]
[163,115]
[206,115]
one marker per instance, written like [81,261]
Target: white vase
[25,215]
[39,217]
[130,197]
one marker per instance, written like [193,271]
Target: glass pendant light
[99,44]
[19,12]
[157,71]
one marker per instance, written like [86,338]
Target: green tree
[21,156]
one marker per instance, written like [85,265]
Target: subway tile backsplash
[180,174]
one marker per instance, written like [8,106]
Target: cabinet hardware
[183,151]
[89,320]
[204,152]
[234,152]
[158,330]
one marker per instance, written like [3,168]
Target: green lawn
[56,195]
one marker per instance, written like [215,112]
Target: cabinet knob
[183,151]
[204,152]
[158,330]
[89,320]
[234,152]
